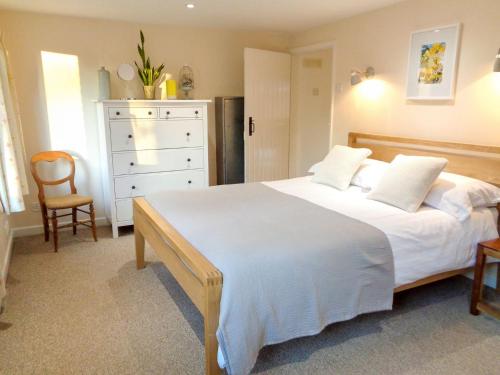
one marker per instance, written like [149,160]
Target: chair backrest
[52,156]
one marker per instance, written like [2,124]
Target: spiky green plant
[148,74]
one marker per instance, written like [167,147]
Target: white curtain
[13,182]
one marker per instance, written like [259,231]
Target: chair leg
[92,219]
[73,212]
[45,220]
[54,228]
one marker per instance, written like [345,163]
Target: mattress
[424,243]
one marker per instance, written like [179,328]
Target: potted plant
[148,74]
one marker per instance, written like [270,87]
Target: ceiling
[269,15]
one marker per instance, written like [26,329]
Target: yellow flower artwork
[431,63]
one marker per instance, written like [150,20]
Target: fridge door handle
[251,126]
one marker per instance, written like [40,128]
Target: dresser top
[143,101]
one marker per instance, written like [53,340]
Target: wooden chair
[73,200]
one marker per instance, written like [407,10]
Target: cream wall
[310,114]
[215,55]
[381,39]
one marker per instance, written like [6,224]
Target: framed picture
[432,63]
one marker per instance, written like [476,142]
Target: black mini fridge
[229,126]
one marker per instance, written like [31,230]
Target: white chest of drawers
[148,146]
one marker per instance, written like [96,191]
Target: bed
[203,281]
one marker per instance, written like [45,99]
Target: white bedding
[424,243]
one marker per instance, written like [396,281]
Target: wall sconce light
[496,67]
[358,77]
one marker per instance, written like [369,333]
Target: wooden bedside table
[487,248]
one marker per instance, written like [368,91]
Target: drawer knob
[131,163]
[133,187]
[168,112]
[195,112]
[189,181]
[117,113]
[130,136]
[150,113]
[189,159]
[188,134]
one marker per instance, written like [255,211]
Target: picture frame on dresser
[148,146]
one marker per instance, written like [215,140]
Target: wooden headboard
[481,162]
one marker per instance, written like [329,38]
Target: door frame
[319,47]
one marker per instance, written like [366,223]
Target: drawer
[143,184]
[118,113]
[147,161]
[151,135]
[181,112]
[124,210]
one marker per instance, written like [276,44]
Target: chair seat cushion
[67,201]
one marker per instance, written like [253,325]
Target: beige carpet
[86,310]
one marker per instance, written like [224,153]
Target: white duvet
[424,243]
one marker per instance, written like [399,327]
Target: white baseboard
[38,229]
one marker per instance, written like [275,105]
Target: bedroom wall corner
[381,39]
[216,56]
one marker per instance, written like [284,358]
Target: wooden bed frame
[202,281]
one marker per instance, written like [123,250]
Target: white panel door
[267,114]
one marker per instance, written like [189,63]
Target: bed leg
[213,291]
[139,248]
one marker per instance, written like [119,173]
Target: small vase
[149,92]
[104,85]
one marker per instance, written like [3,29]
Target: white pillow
[339,166]
[369,174]
[458,195]
[407,181]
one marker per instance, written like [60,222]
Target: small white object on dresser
[148,146]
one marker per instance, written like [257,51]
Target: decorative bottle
[104,84]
